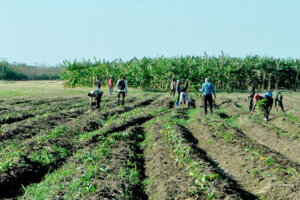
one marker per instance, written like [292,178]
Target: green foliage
[269,161]
[262,105]
[49,155]
[227,73]
[57,132]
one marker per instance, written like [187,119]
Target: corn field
[227,73]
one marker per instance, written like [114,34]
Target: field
[54,146]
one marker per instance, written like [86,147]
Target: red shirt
[110,82]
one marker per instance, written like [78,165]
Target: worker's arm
[117,85]
[126,86]
[270,108]
[202,89]
[212,89]
[253,108]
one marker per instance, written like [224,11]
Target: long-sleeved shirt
[207,88]
[125,88]
[96,92]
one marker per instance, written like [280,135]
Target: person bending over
[96,93]
[265,102]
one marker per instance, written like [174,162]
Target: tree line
[20,71]
[225,72]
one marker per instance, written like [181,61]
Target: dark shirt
[186,84]
[252,91]
[278,96]
[98,84]
[178,89]
[183,89]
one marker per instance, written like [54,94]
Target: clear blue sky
[50,31]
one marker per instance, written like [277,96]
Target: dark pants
[279,103]
[250,104]
[268,108]
[123,98]
[207,99]
[98,98]
[172,92]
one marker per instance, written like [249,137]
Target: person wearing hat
[122,88]
[278,101]
[251,95]
[208,89]
[97,94]
[266,103]
[110,85]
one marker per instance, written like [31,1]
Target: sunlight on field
[56,144]
[43,89]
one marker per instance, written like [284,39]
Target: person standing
[173,87]
[186,86]
[265,103]
[122,88]
[178,87]
[97,94]
[251,95]
[278,101]
[208,89]
[110,85]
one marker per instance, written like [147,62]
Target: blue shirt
[207,88]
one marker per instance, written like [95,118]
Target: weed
[255,172]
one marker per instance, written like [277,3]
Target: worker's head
[178,82]
[249,83]
[256,96]
[111,76]
[123,77]
[207,80]
[174,79]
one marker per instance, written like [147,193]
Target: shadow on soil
[202,154]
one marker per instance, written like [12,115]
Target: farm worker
[122,88]
[251,95]
[184,95]
[110,85]
[278,101]
[186,85]
[173,87]
[177,92]
[207,89]
[265,102]
[97,93]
